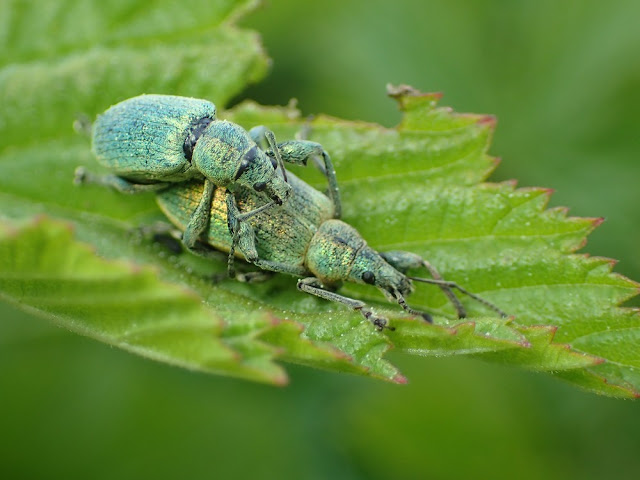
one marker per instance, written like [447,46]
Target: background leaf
[420,181]
[562,80]
[494,239]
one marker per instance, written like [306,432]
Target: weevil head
[338,253]
[370,268]
[257,171]
[227,156]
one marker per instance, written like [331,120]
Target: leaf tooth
[489,120]
[400,379]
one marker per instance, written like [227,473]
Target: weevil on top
[150,142]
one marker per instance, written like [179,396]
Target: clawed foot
[254,277]
[80,176]
[379,322]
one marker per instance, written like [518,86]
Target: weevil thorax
[338,253]
[227,156]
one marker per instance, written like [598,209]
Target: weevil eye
[260,186]
[368,277]
[246,161]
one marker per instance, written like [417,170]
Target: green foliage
[416,187]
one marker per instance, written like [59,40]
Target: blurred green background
[563,79]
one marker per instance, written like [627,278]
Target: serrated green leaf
[44,269]
[416,187]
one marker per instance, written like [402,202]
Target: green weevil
[303,238]
[149,142]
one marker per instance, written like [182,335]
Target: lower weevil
[302,238]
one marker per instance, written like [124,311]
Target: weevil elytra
[150,142]
[302,238]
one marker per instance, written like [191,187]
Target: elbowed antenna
[412,311]
[445,283]
[271,139]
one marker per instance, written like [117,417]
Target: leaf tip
[488,120]
[403,93]
[42,219]
[511,183]
[280,380]
[274,321]
[627,390]
[243,11]
[400,379]
[404,90]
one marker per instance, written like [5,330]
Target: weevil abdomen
[281,235]
[151,137]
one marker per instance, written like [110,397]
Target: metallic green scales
[302,238]
[281,234]
[142,139]
[214,181]
[151,142]
[160,139]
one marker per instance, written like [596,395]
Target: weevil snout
[394,284]
[371,268]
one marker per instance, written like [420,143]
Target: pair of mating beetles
[227,189]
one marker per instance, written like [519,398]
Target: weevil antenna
[445,283]
[271,138]
[412,311]
[455,301]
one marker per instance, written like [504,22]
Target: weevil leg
[171,238]
[445,283]
[200,217]
[82,125]
[403,261]
[305,131]
[298,152]
[163,234]
[82,175]
[462,313]
[313,286]
[263,137]
[258,135]
[243,238]
[411,311]
[254,277]
[204,251]
[168,236]
[242,234]
[295,270]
